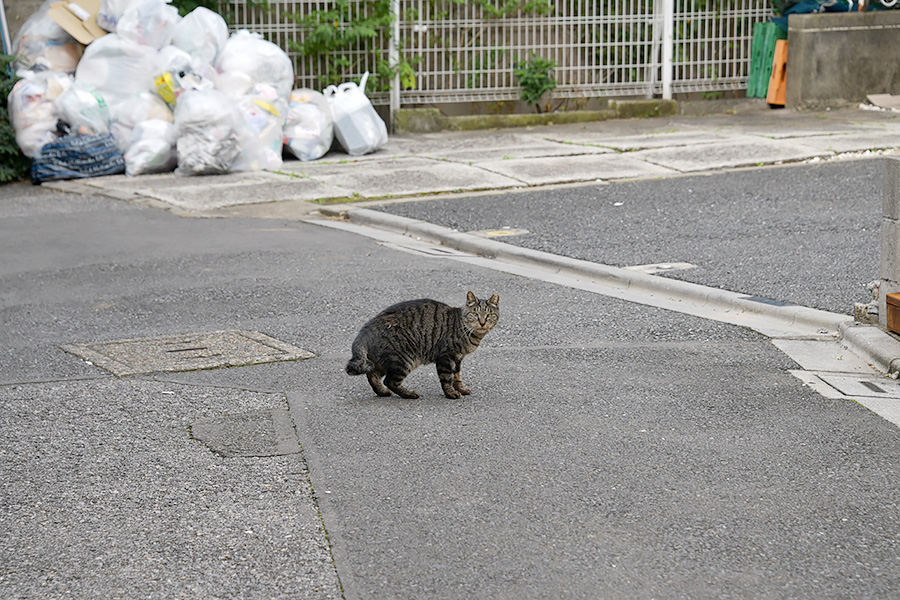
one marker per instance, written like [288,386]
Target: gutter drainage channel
[878,347]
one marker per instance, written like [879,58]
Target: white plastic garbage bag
[171,59]
[177,71]
[309,129]
[117,67]
[202,34]
[208,124]
[41,42]
[262,135]
[134,110]
[84,109]
[31,109]
[357,126]
[148,22]
[110,12]
[152,148]
[247,59]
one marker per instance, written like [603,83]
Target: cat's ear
[471,300]
[494,301]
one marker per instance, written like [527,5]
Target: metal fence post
[394,58]
[668,47]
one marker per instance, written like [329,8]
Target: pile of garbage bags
[171,93]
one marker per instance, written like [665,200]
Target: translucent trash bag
[309,128]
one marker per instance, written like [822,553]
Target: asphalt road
[804,234]
[608,449]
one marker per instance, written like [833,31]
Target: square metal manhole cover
[873,387]
[189,352]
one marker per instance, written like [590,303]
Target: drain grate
[189,352]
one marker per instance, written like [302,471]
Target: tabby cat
[417,332]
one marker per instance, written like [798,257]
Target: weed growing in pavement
[535,78]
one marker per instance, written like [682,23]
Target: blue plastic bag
[77,156]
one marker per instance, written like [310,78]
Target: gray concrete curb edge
[882,350]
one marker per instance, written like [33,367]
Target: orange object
[778,81]
[893,312]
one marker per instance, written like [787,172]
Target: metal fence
[456,51]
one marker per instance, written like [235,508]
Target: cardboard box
[68,15]
[892,301]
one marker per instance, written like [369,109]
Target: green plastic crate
[762,52]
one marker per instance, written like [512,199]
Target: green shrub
[14,166]
[186,6]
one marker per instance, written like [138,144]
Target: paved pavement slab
[533,145]
[588,167]
[853,142]
[198,194]
[665,138]
[405,176]
[739,152]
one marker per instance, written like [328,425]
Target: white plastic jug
[357,126]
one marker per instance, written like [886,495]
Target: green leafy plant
[361,28]
[14,166]
[509,8]
[186,6]
[535,78]
[350,29]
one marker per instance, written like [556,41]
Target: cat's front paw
[452,394]
[463,390]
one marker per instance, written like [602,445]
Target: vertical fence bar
[394,58]
[654,60]
[667,49]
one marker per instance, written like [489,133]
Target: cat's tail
[359,365]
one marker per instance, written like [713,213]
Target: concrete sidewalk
[469,162]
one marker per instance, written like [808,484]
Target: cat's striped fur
[418,332]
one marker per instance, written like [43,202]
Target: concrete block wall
[837,59]
[890,236]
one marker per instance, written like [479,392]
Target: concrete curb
[881,349]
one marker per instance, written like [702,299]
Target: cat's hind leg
[375,381]
[394,381]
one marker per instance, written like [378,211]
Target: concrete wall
[837,59]
[890,236]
